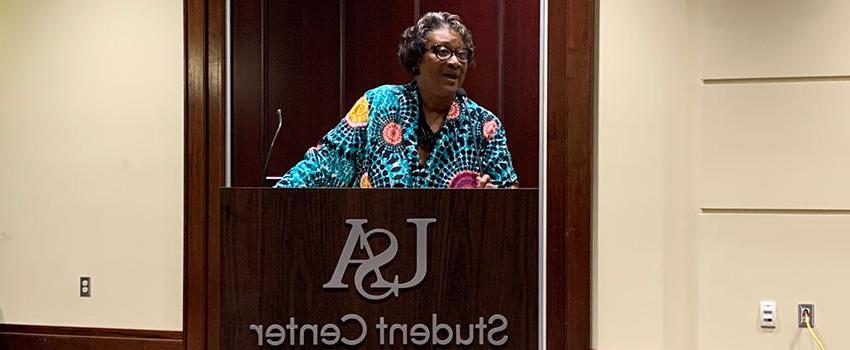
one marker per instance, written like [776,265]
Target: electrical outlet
[85,287]
[801,308]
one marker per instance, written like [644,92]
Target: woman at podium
[424,134]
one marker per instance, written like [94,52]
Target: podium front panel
[379,269]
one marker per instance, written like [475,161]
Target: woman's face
[441,77]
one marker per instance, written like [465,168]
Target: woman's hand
[484,181]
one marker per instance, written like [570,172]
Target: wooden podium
[336,268]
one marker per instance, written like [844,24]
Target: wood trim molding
[195,199]
[204,31]
[570,127]
[569,174]
[13,336]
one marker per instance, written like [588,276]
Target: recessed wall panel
[775,38]
[786,258]
[782,145]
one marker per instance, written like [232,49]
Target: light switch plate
[767,314]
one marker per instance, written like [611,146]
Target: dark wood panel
[520,96]
[216,75]
[302,78]
[372,32]
[195,176]
[579,191]
[570,172]
[285,56]
[27,337]
[281,246]
[248,122]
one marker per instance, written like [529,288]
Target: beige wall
[645,279]
[712,193]
[91,147]
[780,147]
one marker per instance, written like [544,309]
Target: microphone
[271,146]
[460,92]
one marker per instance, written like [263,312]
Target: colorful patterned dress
[375,146]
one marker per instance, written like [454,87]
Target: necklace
[426,137]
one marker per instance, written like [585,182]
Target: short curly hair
[411,48]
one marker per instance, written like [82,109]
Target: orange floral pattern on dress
[454,111]
[365,182]
[489,129]
[359,114]
[392,133]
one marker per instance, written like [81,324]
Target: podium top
[400,189]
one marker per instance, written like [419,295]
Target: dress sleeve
[497,158]
[335,160]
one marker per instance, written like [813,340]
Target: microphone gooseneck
[271,146]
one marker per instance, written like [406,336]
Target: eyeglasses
[444,53]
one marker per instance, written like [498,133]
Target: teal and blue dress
[375,146]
